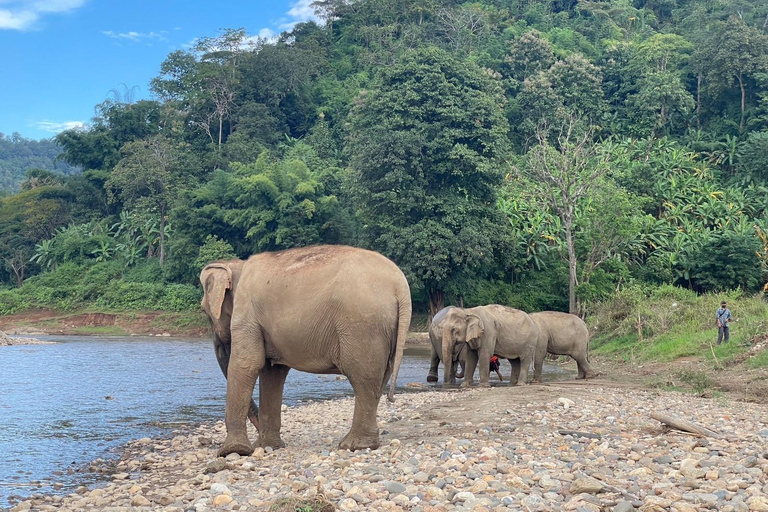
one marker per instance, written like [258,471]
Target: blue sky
[60,58]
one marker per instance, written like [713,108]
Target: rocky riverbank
[6,340]
[582,446]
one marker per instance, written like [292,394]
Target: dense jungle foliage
[541,153]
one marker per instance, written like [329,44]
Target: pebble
[506,454]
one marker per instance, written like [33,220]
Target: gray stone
[216,465]
[394,487]
[623,506]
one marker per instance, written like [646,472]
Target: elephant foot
[431,378]
[484,384]
[236,444]
[590,375]
[355,442]
[270,441]
[466,384]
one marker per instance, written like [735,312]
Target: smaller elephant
[436,340]
[562,334]
[478,333]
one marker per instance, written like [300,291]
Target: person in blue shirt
[723,317]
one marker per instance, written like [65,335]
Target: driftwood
[576,433]
[685,426]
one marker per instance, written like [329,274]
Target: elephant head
[219,280]
[461,330]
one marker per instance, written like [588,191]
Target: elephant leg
[514,376]
[585,369]
[271,384]
[484,360]
[365,431]
[246,361]
[469,368]
[434,362]
[538,361]
[525,366]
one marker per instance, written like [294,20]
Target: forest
[543,154]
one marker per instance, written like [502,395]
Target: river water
[65,404]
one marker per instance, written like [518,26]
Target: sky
[61,58]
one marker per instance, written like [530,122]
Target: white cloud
[301,11]
[23,14]
[53,127]
[136,37]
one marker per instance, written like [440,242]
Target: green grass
[759,361]
[665,324]
[104,330]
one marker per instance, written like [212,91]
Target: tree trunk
[221,127]
[743,101]
[436,301]
[162,237]
[698,101]
[571,270]
[461,301]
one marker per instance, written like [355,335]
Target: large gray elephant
[319,309]
[487,330]
[436,340]
[562,334]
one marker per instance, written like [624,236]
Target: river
[65,404]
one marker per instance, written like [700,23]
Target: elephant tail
[403,323]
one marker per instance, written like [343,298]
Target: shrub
[180,297]
[11,301]
[132,296]
[146,271]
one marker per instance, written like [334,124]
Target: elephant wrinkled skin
[562,334]
[487,330]
[319,309]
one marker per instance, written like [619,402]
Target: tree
[565,167]
[424,146]
[656,70]
[735,52]
[147,178]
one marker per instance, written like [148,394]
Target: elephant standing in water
[562,334]
[320,309]
[436,340]
[483,331]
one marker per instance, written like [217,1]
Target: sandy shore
[581,446]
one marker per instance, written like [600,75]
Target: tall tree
[424,146]
[565,166]
[735,52]
[147,178]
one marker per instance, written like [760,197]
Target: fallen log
[576,433]
[685,426]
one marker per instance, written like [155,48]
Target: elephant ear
[474,331]
[216,279]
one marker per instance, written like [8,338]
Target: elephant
[436,340]
[325,309]
[562,334]
[484,331]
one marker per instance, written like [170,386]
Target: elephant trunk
[447,357]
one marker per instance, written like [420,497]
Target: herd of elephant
[343,310]
[464,337]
